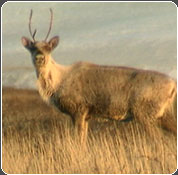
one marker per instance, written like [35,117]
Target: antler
[30,30]
[50,24]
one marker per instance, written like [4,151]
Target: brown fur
[84,90]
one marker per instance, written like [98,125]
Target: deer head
[40,50]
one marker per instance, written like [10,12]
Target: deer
[85,90]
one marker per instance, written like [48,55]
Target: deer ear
[27,43]
[53,42]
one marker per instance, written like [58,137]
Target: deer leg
[152,113]
[168,121]
[144,113]
[81,127]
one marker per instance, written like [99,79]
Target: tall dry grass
[37,139]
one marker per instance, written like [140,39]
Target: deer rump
[114,92]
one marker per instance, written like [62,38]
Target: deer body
[84,90]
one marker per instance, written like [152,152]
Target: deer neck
[49,78]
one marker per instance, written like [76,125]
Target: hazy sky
[137,34]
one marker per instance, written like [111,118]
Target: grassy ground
[38,139]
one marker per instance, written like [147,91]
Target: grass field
[38,139]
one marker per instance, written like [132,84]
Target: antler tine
[34,34]
[50,24]
[30,29]
[29,25]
